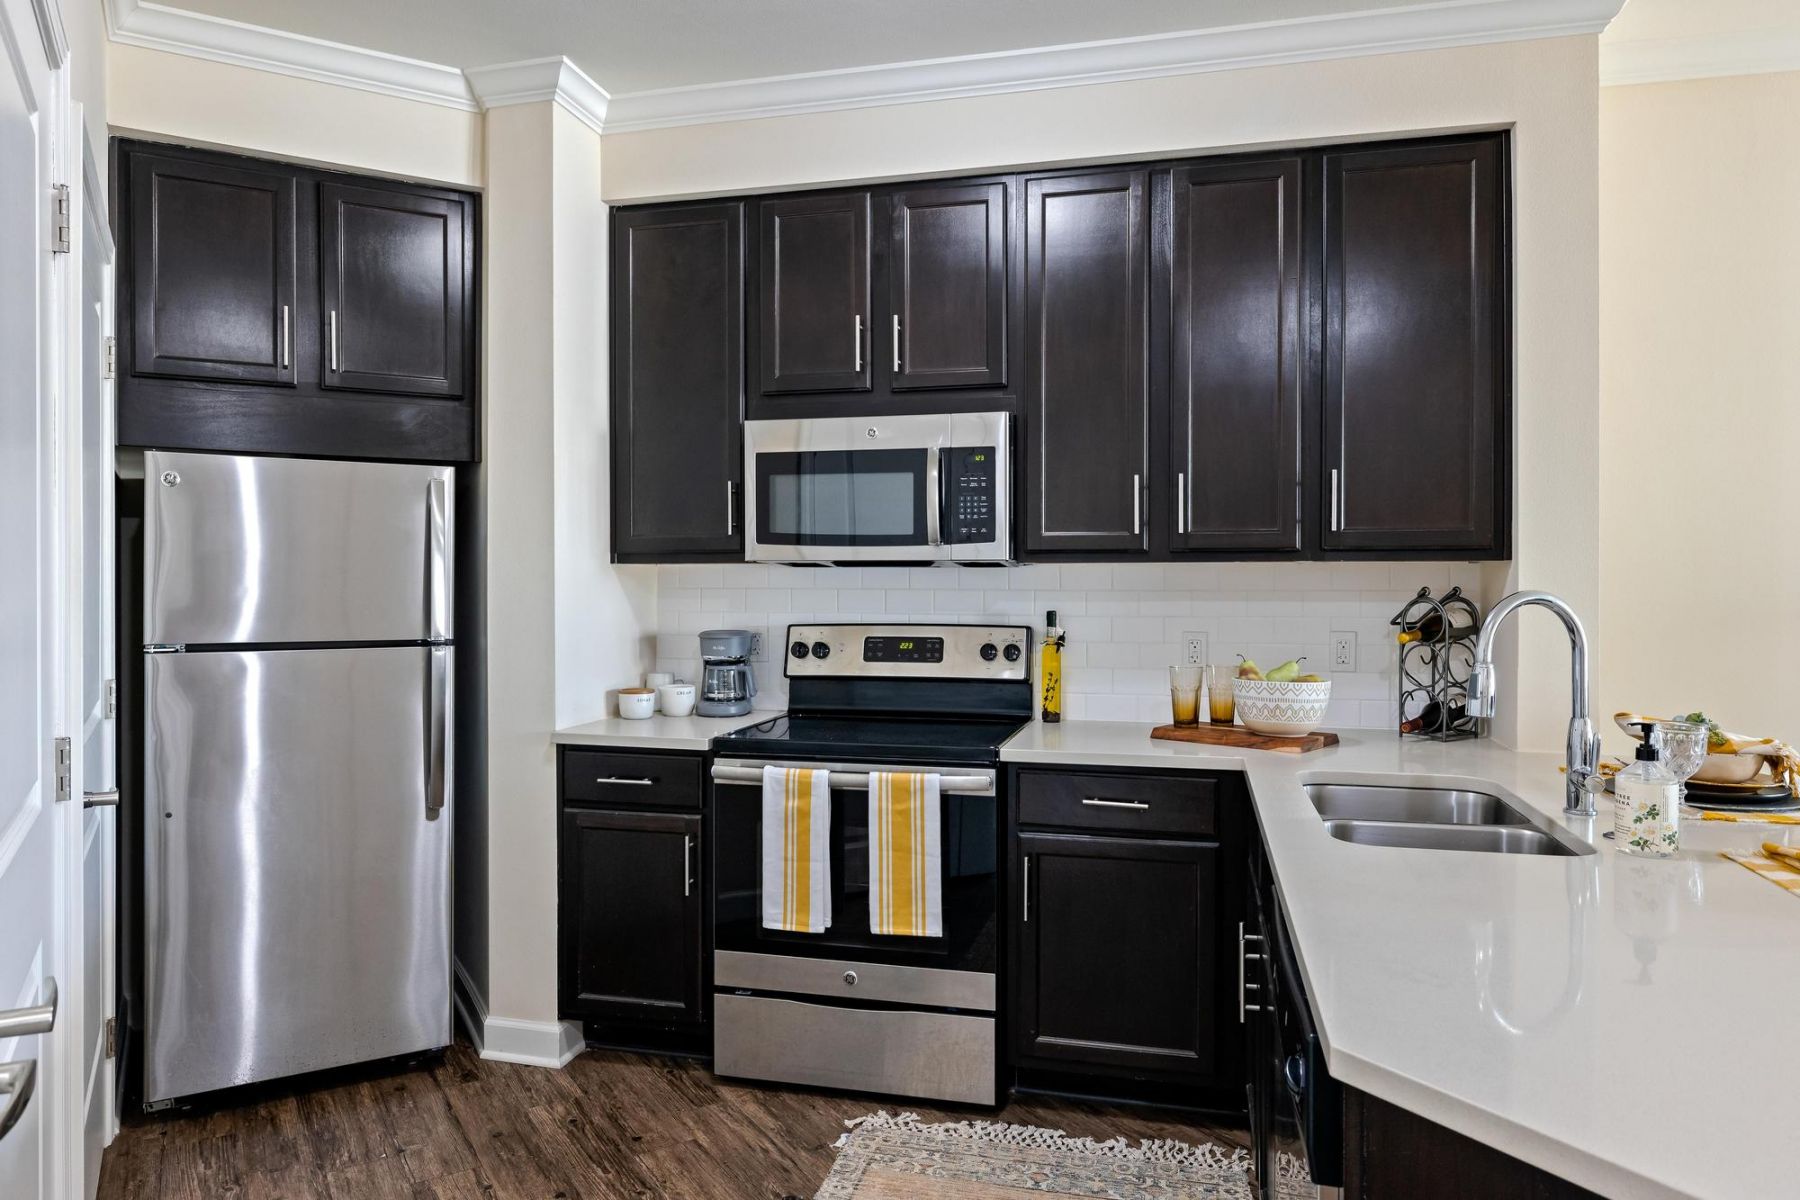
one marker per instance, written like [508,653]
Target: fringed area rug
[897,1158]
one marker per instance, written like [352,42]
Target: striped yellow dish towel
[796,839]
[906,855]
[1780,865]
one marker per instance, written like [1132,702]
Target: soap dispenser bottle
[1646,809]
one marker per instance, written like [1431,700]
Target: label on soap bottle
[1646,816]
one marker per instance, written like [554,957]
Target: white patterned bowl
[1282,709]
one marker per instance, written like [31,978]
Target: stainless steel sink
[1415,805]
[1489,839]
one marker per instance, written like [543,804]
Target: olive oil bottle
[1051,669]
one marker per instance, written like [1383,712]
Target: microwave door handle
[934,497]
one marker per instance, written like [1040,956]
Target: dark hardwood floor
[610,1125]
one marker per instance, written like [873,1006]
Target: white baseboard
[503,1039]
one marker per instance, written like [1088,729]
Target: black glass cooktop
[924,740]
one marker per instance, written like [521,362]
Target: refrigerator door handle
[436,720]
[437,537]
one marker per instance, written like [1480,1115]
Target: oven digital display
[903,649]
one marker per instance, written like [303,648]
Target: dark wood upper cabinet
[947,287]
[631,916]
[212,261]
[1086,407]
[812,314]
[1237,366]
[262,306]
[393,290]
[678,380]
[1415,311]
[1119,943]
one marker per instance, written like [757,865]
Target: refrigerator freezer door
[240,549]
[297,882]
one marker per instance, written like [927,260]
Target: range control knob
[1012,652]
[821,650]
[989,652]
[849,978]
[798,650]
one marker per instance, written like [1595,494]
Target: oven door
[955,971]
[928,488]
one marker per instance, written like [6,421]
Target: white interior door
[35,831]
[93,527]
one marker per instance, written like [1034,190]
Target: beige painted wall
[1700,400]
[1546,90]
[192,100]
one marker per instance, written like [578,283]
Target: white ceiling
[643,45]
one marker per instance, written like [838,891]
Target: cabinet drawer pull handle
[687,864]
[334,340]
[1097,802]
[896,343]
[858,342]
[1026,920]
[625,779]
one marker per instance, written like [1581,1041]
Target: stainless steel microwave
[916,488]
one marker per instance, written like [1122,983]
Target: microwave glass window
[841,498]
[842,506]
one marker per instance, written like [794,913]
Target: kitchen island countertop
[1624,1023]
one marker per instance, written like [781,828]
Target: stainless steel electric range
[848,1008]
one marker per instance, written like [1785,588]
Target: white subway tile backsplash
[1125,621]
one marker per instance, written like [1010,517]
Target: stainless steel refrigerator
[297,670]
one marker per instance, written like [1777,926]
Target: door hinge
[112,1037]
[112,698]
[65,755]
[111,357]
[59,218]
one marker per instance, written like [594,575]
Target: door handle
[1336,503]
[687,864]
[730,508]
[17,1079]
[107,799]
[934,497]
[437,559]
[286,341]
[896,343]
[29,1022]
[1026,891]
[333,323]
[859,342]
[1137,503]
[1181,502]
[437,702]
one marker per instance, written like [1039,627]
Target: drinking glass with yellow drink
[1184,694]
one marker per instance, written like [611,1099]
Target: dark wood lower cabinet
[1389,1152]
[632,919]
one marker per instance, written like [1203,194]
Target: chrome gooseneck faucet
[1583,759]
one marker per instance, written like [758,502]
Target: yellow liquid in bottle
[1052,677]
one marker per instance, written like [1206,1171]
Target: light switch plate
[1343,652]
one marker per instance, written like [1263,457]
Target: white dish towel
[906,855]
[796,858]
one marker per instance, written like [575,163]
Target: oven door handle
[980,784]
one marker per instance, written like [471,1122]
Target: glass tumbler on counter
[1184,694]
[1683,747]
[1221,704]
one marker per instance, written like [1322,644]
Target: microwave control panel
[969,515]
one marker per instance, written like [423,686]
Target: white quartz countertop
[1630,1025]
[654,733]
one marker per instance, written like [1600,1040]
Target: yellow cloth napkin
[1753,818]
[1776,871]
[1787,856]
[796,857]
[906,855]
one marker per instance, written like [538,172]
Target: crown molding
[1707,56]
[158,27]
[1341,35]
[48,14]
[537,79]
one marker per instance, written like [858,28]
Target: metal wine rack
[1436,669]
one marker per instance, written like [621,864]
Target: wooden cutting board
[1248,739]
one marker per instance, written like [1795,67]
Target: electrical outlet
[758,652]
[1343,652]
[1193,647]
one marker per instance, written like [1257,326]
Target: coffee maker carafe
[726,682]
